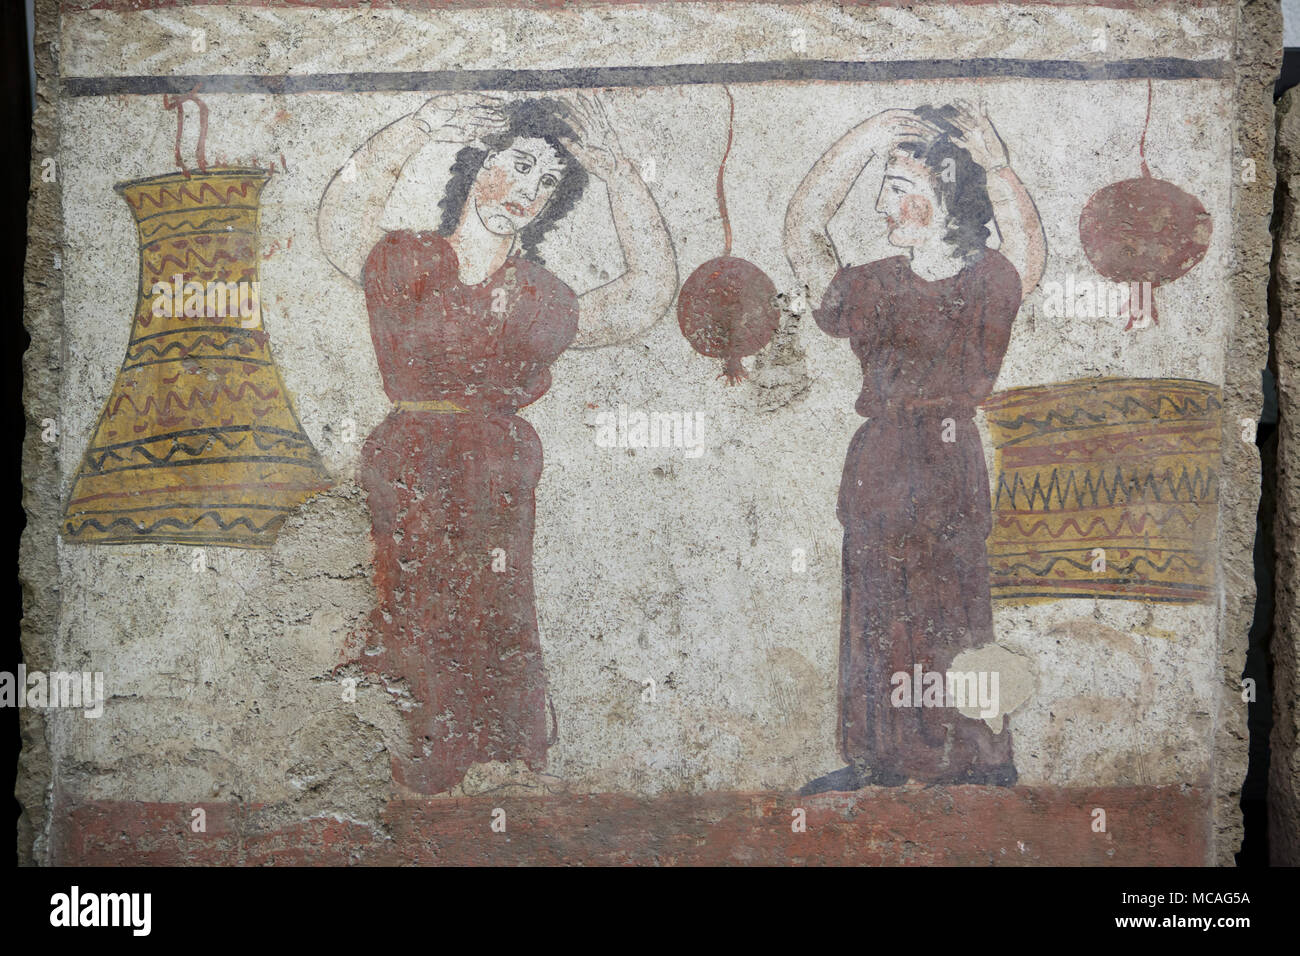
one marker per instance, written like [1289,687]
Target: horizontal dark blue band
[1159,68]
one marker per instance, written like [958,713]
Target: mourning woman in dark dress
[930,327]
[466,320]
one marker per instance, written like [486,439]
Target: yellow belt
[437,405]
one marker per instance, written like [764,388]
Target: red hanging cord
[722,168]
[178,104]
[1142,146]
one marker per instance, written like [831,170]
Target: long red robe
[916,509]
[451,494]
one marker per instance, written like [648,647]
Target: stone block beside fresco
[687,416]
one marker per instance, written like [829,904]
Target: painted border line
[1161,68]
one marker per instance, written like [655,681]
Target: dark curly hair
[964,192]
[534,118]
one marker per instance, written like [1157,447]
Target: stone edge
[38,563]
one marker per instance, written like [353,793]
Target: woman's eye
[549,182]
[522,167]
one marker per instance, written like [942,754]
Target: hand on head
[977,136]
[462,117]
[596,147]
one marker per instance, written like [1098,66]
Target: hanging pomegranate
[726,307]
[1144,230]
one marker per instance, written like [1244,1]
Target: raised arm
[808,246]
[1023,241]
[628,305]
[352,206]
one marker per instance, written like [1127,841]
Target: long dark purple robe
[916,509]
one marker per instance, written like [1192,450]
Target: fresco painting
[466,322]
[918,470]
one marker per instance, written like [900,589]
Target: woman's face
[913,212]
[515,184]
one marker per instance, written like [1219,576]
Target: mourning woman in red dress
[929,327]
[466,321]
